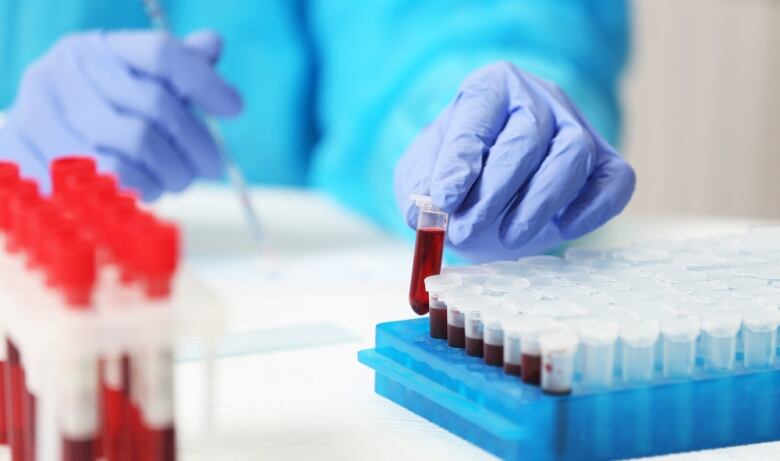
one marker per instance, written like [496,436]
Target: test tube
[679,346]
[512,357]
[598,351]
[456,322]
[638,338]
[558,349]
[759,335]
[436,285]
[428,250]
[493,333]
[472,308]
[499,285]
[720,339]
[529,330]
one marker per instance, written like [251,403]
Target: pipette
[159,21]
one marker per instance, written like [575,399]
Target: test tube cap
[460,291]
[721,323]
[442,282]
[424,202]
[495,315]
[761,320]
[560,309]
[681,328]
[506,284]
[541,260]
[9,172]
[475,304]
[598,332]
[65,168]
[560,341]
[639,332]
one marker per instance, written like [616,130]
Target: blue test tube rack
[513,420]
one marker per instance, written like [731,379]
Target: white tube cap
[681,328]
[598,332]
[442,282]
[640,332]
[722,324]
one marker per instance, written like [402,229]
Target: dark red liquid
[438,319]
[494,355]
[78,450]
[428,250]
[3,409]
[29,425]
[15,403]
[531,368]
[117,443]
[456,336]
[160,445]
[474,347]
[512,369]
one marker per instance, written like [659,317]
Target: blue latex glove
[126,98]
[516,165]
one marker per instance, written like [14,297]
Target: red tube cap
[63,169]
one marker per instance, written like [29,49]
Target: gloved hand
[126,98]
[516,165]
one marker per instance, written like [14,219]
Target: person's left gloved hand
[516,165]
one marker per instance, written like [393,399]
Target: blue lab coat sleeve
[386,68]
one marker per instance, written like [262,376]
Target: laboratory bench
[302,304]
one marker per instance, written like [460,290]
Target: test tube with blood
[9,177]
[428,250]
[436,285]
[157,249]
[73,261]
[493,332]
[529,330]
[456,333]
[558,349]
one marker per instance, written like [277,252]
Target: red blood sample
[160,444]
[428,251]
[3,408]
[117,443]
[494,355]
[15,392]
[456,336]
[78,450]
[531,368]
[29,425]
[512,369]
[438,320]
[474,346]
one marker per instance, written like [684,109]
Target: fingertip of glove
[206,43]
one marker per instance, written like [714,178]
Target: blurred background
[701,101]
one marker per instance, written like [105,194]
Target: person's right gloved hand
[125,97]
[516,165]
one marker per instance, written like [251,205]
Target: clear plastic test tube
[679,346]
[436,285]
[720,339]
[558,350]
[428,250]
[638,339]
[493,334]
[472,309]
[529,329]
[512,326]
[456,320]
[759,335]
[598,338]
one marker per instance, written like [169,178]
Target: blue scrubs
[336,89]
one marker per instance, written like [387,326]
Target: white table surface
[301,309]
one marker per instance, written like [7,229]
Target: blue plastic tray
[517,421]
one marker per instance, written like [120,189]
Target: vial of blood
[558,349]
[428,251]
[530,354]
[472,311]
[73,265]
[436,285]
[493,317]
[512,360]
[456,333]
